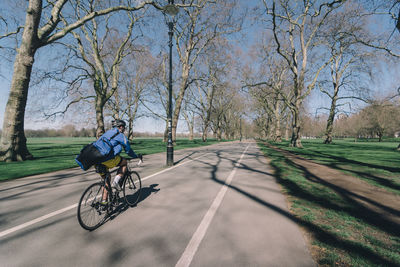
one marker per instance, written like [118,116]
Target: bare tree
[36,34]
[103,59]
[216,65]
[228,108]
[350,65]
[294,27]
[268,88]
[135,81]
[378,118]
[156,101]
[382,41]
[196,28]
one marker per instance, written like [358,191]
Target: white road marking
[198,236]
[57,212]
[42,218]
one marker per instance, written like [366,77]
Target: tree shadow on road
[349,204]
[189,156]
[320,234]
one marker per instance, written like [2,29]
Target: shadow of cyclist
[145,192]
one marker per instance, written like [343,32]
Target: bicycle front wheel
[131,188]
[91,211]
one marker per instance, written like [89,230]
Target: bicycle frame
[112,195]
[92,212]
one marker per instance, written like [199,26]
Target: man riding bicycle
[118,140]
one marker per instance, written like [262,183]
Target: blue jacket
[117,143]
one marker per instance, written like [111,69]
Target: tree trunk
[179,100]
[210,98]
[287,129]
[278,135]
[130,129]
[219,132]
[329,125]
[299,85]
[99,116]
[174,133]
[191,133]
[295,141]
[380,135]
[336,77]
[130,124]
[267,128]
[175,116]
[13,140]
[204,135]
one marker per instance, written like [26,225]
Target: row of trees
[310,45]
[105,56]
[108,62]
[66,131]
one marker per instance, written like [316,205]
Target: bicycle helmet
[118,123]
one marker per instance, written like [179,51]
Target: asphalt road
[218,206]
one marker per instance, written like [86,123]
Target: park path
[218,206]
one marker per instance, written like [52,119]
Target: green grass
[58,153]
[341,232]
[377,163]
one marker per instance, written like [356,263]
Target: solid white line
[42,218]
[57,212]
[198,236]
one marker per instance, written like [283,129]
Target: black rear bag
[90,156]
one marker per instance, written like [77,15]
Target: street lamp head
[171,10]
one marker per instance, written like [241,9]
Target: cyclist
[118,140]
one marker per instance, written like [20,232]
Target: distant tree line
[66,131]
[376,120]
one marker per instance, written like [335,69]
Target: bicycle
[93,210]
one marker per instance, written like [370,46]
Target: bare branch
[47,116]
[12,33]
[47,39]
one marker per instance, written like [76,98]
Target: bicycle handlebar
[140,157]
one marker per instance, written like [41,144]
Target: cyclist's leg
[114,162]
[102,170]
[105,190]
[122,166]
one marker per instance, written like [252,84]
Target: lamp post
[170,10]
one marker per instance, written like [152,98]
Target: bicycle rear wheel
[91,212]
[131,188]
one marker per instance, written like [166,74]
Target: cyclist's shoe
[117,186]
[104,202]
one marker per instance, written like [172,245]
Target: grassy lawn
[377,163]
[52,154]
[341,233]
